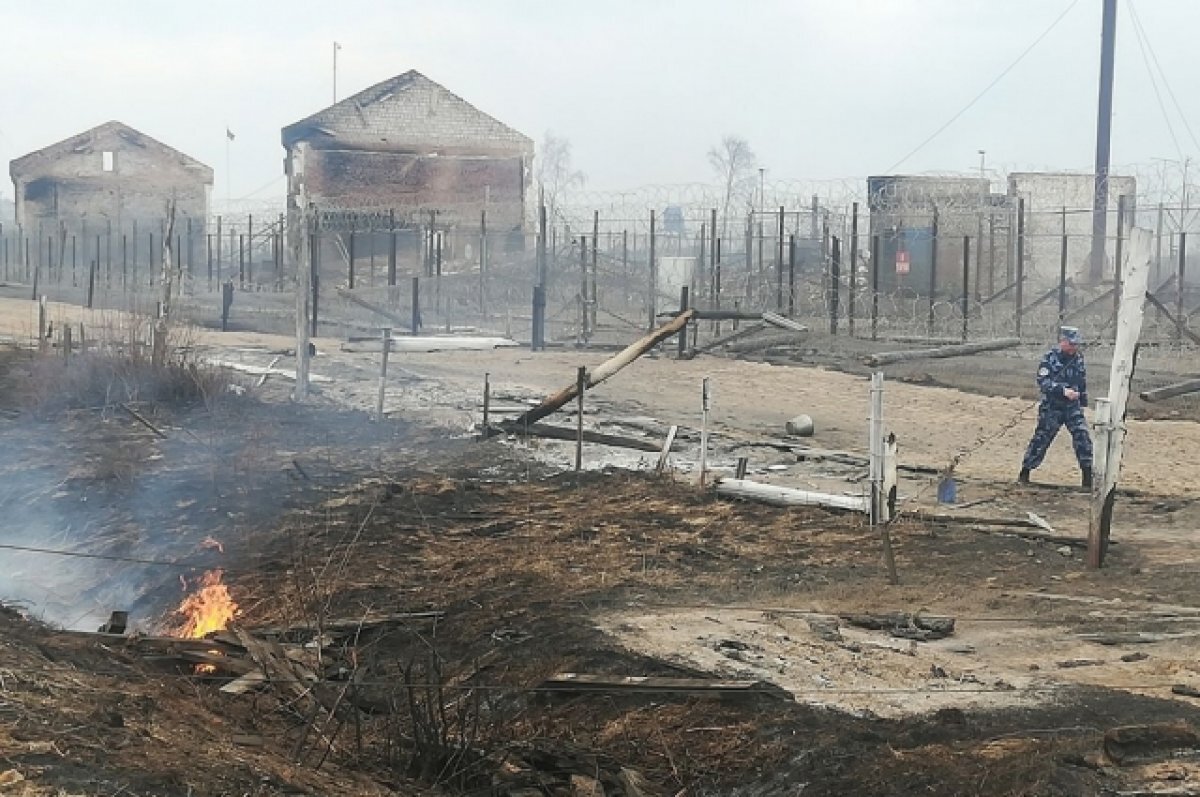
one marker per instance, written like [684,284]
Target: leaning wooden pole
[1110,413]
[606,369]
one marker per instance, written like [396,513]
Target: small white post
[882,462]
[705,403]
[383,362]
[875,446]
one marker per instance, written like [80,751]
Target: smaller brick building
[410,147]
[111,177]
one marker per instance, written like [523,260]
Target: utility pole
[336,47]
[1108,42]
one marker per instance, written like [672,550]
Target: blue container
[947,491]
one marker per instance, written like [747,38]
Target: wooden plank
[349,625]
[588,682]
[957,350]
[245,683]
[258,370]
[155,643]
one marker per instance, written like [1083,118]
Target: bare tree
[734,162]
[555,175]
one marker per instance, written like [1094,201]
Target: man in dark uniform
[1062,378]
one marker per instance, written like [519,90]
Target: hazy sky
[641,88]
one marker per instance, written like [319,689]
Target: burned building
[1058,206]
[110,178]
[409,152]
[909,214]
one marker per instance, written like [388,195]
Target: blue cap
[1070,334]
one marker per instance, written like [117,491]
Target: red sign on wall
[902,262]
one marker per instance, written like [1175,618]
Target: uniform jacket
[1056,372]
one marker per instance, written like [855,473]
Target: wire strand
[986,88]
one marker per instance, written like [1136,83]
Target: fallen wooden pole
[785,338]
[959,350]
[605,370]
[395,318]
[787,496]
[1170,391]
[588,682]
[572,435]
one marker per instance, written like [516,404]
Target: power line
[1143,45]
[986,88]
[179,563]
[1166,83]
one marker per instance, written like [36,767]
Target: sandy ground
[750,401]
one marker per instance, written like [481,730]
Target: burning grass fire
[210,608]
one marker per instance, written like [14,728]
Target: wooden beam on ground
[1170,391]
[605,370]
[258,370]
[958,350]
[562,433]
[786,496]
[1162,308]
[350,625]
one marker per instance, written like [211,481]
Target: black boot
[1024,477]
[1087,478]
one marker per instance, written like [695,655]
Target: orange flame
[210,608]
